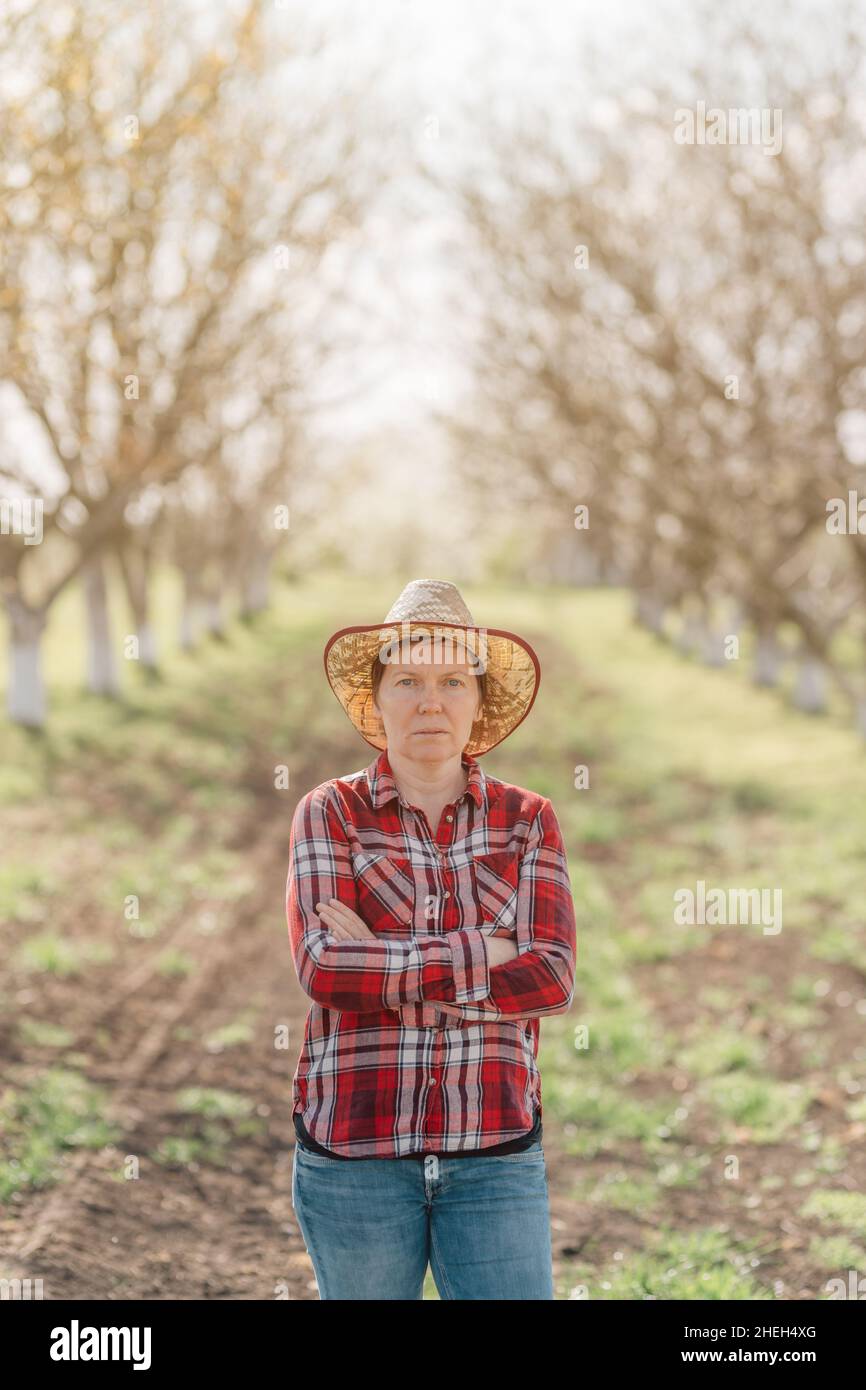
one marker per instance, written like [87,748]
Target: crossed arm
[450,970]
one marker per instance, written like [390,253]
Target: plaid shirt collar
[383,788]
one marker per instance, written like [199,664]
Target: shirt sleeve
[540,979]
[370,974]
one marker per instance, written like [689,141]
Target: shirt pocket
[386,892]
[496,880]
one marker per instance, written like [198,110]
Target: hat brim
[512,668]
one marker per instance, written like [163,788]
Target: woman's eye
[409,680]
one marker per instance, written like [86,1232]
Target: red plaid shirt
[413,1043]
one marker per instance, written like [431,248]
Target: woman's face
[428,708]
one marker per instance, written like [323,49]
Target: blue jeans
[372,1226]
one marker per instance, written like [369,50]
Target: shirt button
[449,818]
[432,1080]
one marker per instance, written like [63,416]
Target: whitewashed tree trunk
[256,586]
[146,644]
[191,612]
[736,618]
[186,635]
[650,611]
[719,653]
[102,672]
[810,691]
[135,571]
[768,657]
[714,647]
[693,634]
[25,698]
[213,615]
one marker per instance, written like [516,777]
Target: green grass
[42,1033]
[765,1109]
[217,1119]
[837,1253]
[173,962]
[693,1265]
[214,1104]
[51,954]
[42,1120]
[233,1034]
[722,1051]
[23,888]
[847,1210]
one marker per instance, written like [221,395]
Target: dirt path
[188,1230]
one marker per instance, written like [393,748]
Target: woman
[432,924]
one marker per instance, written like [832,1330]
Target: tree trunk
[768,657]
[102,673]
[810,691]
[134,568]
[191,611]
[714,647]
[650,611]
[256,583]
[693,634]
[736,618]
[26,691]
[214,623]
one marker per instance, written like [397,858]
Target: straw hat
[431,613]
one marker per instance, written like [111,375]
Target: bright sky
[436,62]
[442,68]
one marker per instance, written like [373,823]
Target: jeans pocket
[317,1160]
[535,1151]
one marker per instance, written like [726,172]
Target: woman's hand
[500,948]
[342,922]
[346,925]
